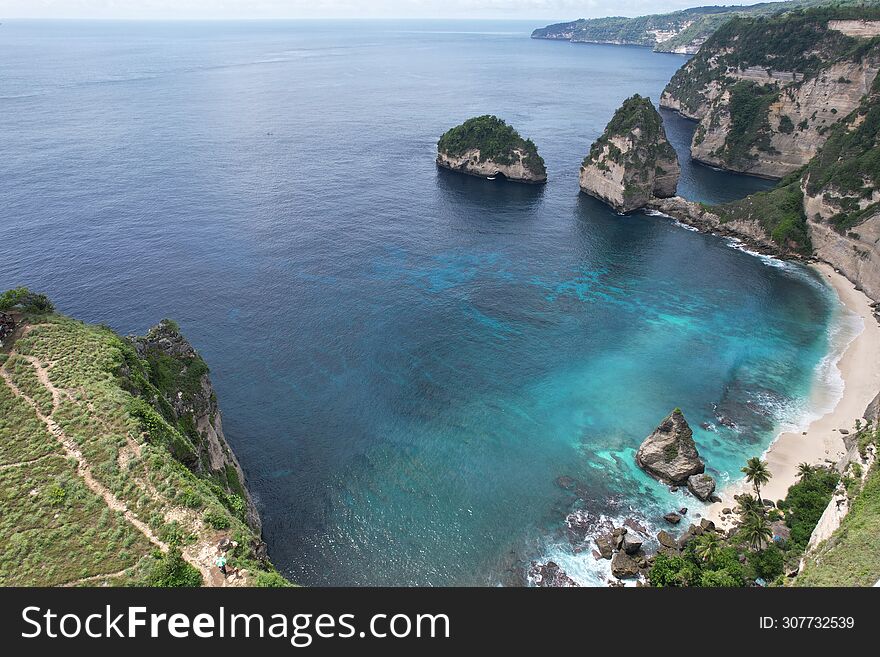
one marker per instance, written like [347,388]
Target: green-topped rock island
[632,162]
[487,147]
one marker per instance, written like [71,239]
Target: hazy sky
[549,9]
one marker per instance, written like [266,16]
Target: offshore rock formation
[632,162]
[764,109]
[669,453]
[188,401]
[485,146]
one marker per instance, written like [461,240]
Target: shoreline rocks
[702,486]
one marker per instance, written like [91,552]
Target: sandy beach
[860,369]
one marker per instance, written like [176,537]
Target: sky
[225,9]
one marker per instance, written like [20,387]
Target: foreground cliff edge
[632,161]
[114,469]
[486,147]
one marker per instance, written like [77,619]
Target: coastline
[859,367]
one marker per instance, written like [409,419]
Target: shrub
[768,564]
[172,571]
[216,518]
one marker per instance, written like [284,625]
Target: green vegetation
[495,140]
[636,113]
[806,502]
[757,474]
[749,125]
[750,553]
[779,211]
[23,299]
[170,570]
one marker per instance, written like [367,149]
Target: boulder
[666,539]
[669,453]
[672,518]
[631,543]
[623,566]
[702,486]
[605,546]
[707,525]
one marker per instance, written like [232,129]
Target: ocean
[408,360]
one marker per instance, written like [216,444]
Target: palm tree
[708,547]
[757,473]
[805,470]
[748,504]
[756,531]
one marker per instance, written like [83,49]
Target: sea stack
[669,453]
[485,146]
[632,162]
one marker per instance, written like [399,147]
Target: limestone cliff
[632,162]
[767,92]
[485,146]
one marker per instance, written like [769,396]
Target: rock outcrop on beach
[766,92]
[702,486]
[632,162]
[669,453]
[486,147]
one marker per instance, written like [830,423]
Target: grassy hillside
[96,486]
[851,556]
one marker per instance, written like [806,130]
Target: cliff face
[632,161]
[766,93]
[189,402]
[470,162]
[841,191]
[485,146]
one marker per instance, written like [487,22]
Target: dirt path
[9,466]
[84,469]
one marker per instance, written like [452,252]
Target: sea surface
[407,359]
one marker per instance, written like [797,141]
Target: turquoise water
[407,359]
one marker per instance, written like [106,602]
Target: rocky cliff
[767,92]
[187,400]
[485,146]
[632,162]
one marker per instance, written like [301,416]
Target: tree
[748,504]
[708,547]
[757,474]
[804,470]
[756,531]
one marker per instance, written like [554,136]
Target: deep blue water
[407,359]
